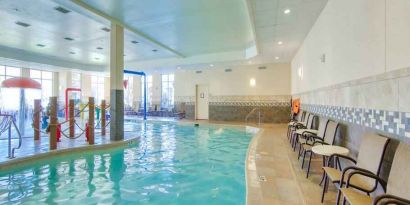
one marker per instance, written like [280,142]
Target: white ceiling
[203,31]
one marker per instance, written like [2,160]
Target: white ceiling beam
[118,22]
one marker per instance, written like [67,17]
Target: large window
[167,94]
[45,78]
[149,91]
[128,96]
[97,88]
[9,96]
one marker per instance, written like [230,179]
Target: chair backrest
[322,127]
[309,124]
[306,118]
[371,152]
[299,116]
[331,131]
[399,177]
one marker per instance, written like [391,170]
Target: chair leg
[339,192]
[303,159]
[300,151]
[344,201]
[324,188]
[310,160]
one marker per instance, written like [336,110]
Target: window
[128,89]
[149,91]
[45,78]
[167,94]
[9,96]
[97,88]
[76,80]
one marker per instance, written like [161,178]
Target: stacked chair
[371,153]
[398,185]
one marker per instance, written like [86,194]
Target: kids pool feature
[171,164]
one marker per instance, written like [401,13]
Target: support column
[116,83]
[56,84]
[53,123]
[91,127]
[36,124]
[103,106]
[71,118]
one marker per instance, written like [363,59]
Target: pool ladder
[259,112]
[5,125]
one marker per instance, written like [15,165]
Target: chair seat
[307,147]
[356,198]
[302,140]
[356,181]
[301,131]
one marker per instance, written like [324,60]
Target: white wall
[275,80]
[356,42]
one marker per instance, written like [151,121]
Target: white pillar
[116,83]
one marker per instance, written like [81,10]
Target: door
[202,107]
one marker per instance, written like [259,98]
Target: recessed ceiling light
[155,50]
[277,57]
[286,11]
[106,29]
[280,42]
[40,45]
[68,39]
[72,52]
[22,24]
[62,10]
[134,42]
[99,48]
[179,68]
[212,65]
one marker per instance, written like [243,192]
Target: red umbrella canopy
[20,82]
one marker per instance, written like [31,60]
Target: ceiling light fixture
[22,24]
[212,65]
[277,57]
[106,29]
[280,42]
[252,82]
[286,11]
[62,10]
[179,68]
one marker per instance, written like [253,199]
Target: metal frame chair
[371,153]
[397,189]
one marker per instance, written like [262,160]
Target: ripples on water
[173,164]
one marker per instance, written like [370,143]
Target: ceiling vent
[62,10]
[99,48]
[135,42]
[198,71]
[228,70]
[155,50]
[262,68]
[22,24]
[68,39]
[106,29]
[40,45]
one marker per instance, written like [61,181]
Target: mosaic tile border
[393,122]
[237,100]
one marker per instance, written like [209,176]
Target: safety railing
[257,111]
[6,123]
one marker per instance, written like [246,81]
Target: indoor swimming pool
[171,164]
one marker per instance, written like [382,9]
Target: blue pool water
[172,164]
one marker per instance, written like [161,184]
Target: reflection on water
[171,165]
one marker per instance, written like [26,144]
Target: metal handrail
[252,112]
[7,126]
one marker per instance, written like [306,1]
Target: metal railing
[253,112]
[6,122]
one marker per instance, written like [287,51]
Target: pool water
[172,164]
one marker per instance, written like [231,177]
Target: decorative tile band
[393,122]
[248,100]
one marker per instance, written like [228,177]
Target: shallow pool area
[171,164]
